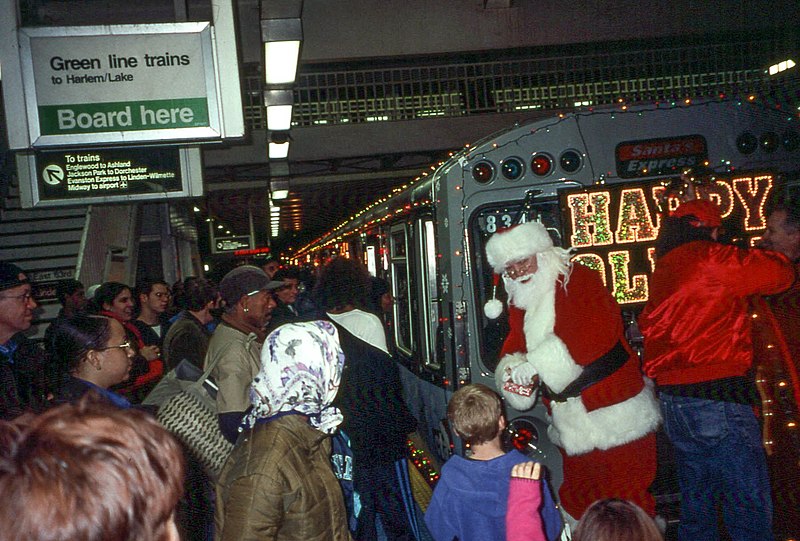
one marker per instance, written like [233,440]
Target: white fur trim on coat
[502,377]
[578,431]
[553,362]
[515,243]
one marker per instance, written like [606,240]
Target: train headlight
[512,168]
[570,161]
[483,172]
[541,165]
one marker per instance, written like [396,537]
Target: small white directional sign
[231,244]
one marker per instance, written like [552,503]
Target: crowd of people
[310,397]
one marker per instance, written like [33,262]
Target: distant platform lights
[781,66]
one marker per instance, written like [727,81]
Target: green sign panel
[123,116]
[122,84]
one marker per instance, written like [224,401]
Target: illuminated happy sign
[614,228]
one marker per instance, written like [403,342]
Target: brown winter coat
[278,485]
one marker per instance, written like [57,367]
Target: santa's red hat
[517,243]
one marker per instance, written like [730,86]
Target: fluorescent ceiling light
[279,189]
[279,117]
[280,62]
[278,151]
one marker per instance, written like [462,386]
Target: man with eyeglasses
[25,381]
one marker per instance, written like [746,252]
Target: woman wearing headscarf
[278,483]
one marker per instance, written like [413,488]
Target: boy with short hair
[470,500]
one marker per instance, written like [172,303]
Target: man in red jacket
[566,330]
[698,349]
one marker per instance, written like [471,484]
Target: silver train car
[597,179]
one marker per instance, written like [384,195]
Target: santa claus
[567,340]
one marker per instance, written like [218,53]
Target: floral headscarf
[301,367]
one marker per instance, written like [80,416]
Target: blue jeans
[719,458]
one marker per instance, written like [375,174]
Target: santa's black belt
[597,370]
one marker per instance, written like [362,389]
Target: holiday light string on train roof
[470,152]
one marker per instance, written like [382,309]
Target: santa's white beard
[527,292]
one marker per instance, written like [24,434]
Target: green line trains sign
[118,84]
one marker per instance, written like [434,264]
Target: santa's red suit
[606,430]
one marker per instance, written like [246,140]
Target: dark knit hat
[11,276]
[244,280]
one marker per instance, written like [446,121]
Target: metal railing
[535,82]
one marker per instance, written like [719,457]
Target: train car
[598,179]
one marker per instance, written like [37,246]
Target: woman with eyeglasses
[94,354]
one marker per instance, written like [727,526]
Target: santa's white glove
[520,396]
[523,374]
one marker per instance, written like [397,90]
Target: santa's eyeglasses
[521,268]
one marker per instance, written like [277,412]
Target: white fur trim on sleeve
[554,363]
[510,391]
[578,431]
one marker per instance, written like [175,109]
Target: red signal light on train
[521,439]
[522,434]
[483,172]
[541,165]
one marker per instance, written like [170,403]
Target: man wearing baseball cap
[698,350]
[235,346]
[22,364]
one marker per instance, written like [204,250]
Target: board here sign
[122,83]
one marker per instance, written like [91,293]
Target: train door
[414,280]
[527,430]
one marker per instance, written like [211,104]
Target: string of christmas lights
[423,463]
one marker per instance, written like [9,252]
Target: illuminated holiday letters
[635,224]
[583,218]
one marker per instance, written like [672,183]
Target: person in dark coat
[27,381]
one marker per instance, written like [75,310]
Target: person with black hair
[72,296]
[152,299]
[376,419]
[342,291]
[93,353]
[285,296]
[698,350]
[115,300]
[188,336]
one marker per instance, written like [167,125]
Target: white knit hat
[516,243]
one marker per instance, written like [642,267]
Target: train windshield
[486,221]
